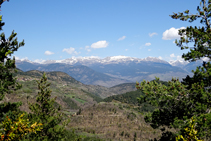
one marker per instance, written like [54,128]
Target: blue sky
[55,30]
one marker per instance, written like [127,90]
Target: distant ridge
[110,71]
[93,60]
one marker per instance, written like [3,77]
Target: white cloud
[126,49]
[172,55]
[152,34]
[148,44]
[149,49]
[87,48]
[171,33]
[160,57]
[121,38]
[70,50]
[205,59]
[48,52]
[100,44]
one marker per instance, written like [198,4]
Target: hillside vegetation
[118,117]
[113,121]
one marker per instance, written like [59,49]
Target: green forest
[157,110]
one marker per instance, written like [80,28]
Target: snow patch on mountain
[94,59]
[154,59]
[178,63]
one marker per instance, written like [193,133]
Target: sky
[57,30]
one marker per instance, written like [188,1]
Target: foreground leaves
[15,130]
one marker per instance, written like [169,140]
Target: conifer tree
[178,102]
[45,112]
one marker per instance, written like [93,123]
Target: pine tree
[178,102]
[45,112]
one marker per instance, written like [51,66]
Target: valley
[91,114]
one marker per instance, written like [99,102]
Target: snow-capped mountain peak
[94,59]
[179,63]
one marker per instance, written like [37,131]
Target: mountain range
[114,70]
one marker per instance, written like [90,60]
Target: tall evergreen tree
[44,111]
[179,102]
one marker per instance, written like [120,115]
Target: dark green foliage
[129,97]
[71,104]
[179,102]
[145,107]
[161,82]
[92,139]
[131,116]
[122,133]
[199,36]
[95,97]
[201,75]
[135,135]
[79,112]
[9,109]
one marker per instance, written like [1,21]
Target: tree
[13,124]
[45,112]
[190,133]
[200,36]
[1,1]
[180,101]
[7,68]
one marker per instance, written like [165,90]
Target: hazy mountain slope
[64,79]
[111,71]
[143,70]
[123,88]
[192,65]
[26,65]
[81,73]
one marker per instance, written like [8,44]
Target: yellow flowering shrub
[13,131]
[190,133]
